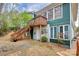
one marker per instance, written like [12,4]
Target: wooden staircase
[19,35]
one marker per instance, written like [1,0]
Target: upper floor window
[50,14]
[45,14]
[58,12]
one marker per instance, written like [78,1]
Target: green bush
[44,39]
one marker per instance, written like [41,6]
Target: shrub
[44,39]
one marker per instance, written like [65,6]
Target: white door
[36,34]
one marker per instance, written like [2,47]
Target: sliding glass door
[53,32]
[61,31]
[64,32]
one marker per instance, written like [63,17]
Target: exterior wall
[61,21]
[58,31]
[65,20]
[73,18]
[42,11]
[48,32]
[37,34]
[71,36]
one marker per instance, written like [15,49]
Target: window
[61,31]
[66,32]
[45,14]
[50,14]
[51,32]
[55,32]
[58,12]
[55,13]
[43,31]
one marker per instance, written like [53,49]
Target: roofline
[49,5]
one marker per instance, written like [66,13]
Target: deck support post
[29,33]
[40,32]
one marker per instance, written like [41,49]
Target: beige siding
[42,11]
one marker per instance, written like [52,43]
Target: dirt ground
[30,47]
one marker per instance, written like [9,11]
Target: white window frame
[64,31]
[48,12]
[53,32]
[61,12]
[45,15]
[54,13]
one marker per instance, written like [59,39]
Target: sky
[31,6]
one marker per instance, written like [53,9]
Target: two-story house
[60,23]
